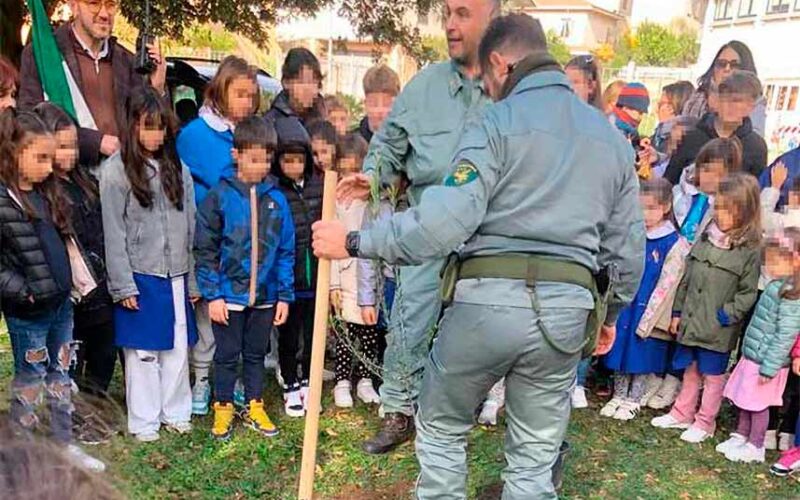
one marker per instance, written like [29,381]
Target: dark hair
[678,93]
[741,82]
[725,150]
[9,76]
[745,56]
[58,120]
[15,127]
[145,103]
[230,69]
[297,59]
[795,187]
[588,66]
[255,131]
[324,130]
[512,31]
[352,146]
[381,79]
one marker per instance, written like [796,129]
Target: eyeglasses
[725,63]
[95,6]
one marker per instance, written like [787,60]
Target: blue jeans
[42,349]
[583,371]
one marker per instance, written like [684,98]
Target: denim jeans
[583,371]
[246,334]
[42,349]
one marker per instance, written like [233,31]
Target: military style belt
[530,268]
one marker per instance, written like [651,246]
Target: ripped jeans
[42,349]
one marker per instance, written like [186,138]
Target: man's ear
[498,61]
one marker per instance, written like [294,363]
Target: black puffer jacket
[87,222]
[24,270]
[306,200]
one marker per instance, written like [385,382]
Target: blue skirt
[634,355]
[708,362]
[152,327]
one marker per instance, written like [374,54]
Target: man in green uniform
[418,140]
[544,196]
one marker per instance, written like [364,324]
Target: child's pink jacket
[796,348]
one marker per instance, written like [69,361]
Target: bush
[558,48]
[656,45]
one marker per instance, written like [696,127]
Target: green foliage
[433,49]
[657,45]
[558,48]
[355,107]
[212,37]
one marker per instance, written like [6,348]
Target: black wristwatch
[352,243]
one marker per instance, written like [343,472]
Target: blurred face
[794,199]
[9,100]
[378,105]
[302,90]
[634,113]
[252,163]
[675,138]
[709,176]
[339,118]
[779,262]
[348,166]
[35,160]
[725,212]
[465,23]
[727,61]
[66,150]
[94,18]
[151,135]
[240,96]
[582,86]
[654,211]
[293,165]
[665,109]
[324,153]
[734,108]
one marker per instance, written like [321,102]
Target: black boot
[396,429]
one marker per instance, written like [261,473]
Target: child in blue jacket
[790,160]
[244,254]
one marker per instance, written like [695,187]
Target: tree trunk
[11,19]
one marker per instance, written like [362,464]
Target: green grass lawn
[609,459]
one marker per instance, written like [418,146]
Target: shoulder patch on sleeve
[464,174]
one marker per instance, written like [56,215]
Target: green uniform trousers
[476,346]
[416,309]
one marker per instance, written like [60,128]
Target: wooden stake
[321,310]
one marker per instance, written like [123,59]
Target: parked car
[187,78]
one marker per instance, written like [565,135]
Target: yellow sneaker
[257,419]
[223,421]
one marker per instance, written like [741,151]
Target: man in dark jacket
[302,186]
[737,97]
[102,69]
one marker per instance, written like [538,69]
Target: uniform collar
[215,120]
[541,79]
[663,229]
[457,80]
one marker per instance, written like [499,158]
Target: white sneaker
[579,398]
[366,392]
[695,435]
[270,363]
[734,441]
[785,441]
[341,395]
[293,403]
[627,411]
[666,394]
[278,376]
[179,427]
[611,407]
[304,390]
[328,375]
[668,422]
[747,453]
[488,415]
[201,397]
[771,440]
[147,437]
[77,456]
[651,387]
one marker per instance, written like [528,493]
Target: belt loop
[530,275]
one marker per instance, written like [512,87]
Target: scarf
[626,123]
[717,237]
[694,217]
[534,63]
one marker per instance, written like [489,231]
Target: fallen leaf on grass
[331,432]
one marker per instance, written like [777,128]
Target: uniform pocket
[564,328]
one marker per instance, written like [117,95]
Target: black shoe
[396,429]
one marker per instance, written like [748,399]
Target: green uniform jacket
[716,279]
[420,135]
[772,331]
[541,173]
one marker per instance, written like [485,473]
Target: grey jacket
[155,241]
[542,173]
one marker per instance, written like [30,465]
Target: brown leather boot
[396,429]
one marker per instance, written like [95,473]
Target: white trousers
[157,382]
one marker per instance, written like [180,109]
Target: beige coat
[344,273]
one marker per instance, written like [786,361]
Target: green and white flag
[58,84]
